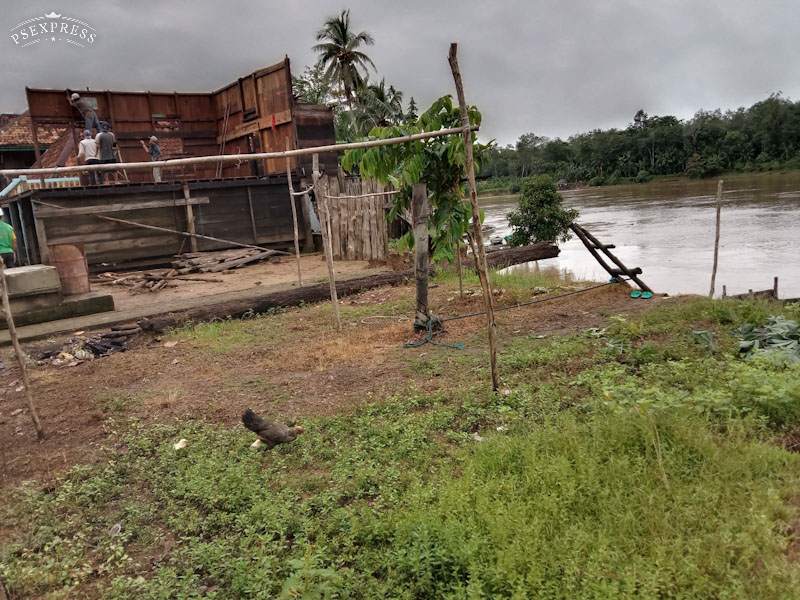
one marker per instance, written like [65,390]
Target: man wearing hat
[84,106]
[154,152]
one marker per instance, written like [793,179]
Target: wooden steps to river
[596,247]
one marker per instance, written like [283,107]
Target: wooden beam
[476,239]
[236,158]
[294,215]
[45,213]
[324,219]
[21,358]
[190,226]
[252,215]
[716,239]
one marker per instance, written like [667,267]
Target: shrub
[541,215]
[643,176]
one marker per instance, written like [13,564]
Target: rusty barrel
[73,271]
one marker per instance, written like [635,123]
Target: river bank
[667,228]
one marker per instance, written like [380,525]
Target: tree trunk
[420,210]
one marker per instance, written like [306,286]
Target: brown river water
[667,229]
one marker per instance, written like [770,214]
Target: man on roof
[87,109]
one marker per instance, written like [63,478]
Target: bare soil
[309,369]
[280,271]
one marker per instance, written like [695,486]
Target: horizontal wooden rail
[229,158]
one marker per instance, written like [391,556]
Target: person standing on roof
[87,154]
[106,147]
[154,152]
[84,106]
[8,243]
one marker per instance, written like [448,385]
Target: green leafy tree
[412,114]
[541,216]
[312,87]
[341,56]
[437,162]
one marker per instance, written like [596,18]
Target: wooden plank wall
[255,113]
[226,215]
[358,225]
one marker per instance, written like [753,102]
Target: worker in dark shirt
[84,106]
[106,146]
[154,152]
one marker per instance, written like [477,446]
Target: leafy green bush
[779,335]
[597,180]
[643,177]
[541,215]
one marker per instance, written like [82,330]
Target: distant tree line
[765,136]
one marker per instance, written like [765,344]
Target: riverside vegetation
[646,458]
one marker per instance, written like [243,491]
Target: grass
[634,461]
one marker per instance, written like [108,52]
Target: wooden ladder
[593,245]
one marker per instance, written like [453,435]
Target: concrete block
[24,304]
[72,306]
[31,280]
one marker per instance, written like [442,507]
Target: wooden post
[190,219]
[294,216]
[420,210]
[325,224]
[252,214]
[461,271]
[477,238]
[716,239]
[12,333]
[775,287]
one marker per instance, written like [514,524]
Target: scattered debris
[16,412]
[170,344]
[80,349]
[185,264]
[477,437]
[501,428]
[181,444]
[115,529]
[257,444]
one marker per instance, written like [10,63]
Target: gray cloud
[555,68]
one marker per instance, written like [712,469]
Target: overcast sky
[554,68]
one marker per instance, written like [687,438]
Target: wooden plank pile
[183,266]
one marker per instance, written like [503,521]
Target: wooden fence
[358,225]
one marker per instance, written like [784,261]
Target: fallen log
[506,257]
[305,295]
[320,292]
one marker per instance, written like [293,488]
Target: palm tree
[340,55]
[384,105]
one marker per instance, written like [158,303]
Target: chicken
[268,432]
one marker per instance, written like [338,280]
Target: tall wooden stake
[477,238]
[325,226]
[716,239]
[294,217]
[461,272]
[12,333]
[420,210]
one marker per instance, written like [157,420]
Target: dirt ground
[281,271]
[292,365]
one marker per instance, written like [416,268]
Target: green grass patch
[631,461]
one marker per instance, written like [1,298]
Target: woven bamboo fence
[359,229]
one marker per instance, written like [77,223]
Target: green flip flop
[636,293]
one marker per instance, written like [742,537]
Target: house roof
[16,131]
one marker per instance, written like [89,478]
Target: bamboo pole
[460,271]
[325,224]
[294,216]
[716,239]
[12,333]
[477,238]
[234,158]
